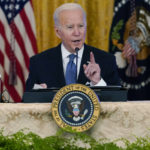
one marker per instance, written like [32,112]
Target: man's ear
[57,31]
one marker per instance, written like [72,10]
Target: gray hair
[67,6]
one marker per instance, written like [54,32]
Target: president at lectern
[72,61]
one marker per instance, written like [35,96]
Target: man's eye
[81,26]
[69,27]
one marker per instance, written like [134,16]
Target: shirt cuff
[100,83]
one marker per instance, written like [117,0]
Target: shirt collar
[66,53]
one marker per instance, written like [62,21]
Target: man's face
[72,29]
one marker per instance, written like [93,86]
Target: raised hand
[92,70]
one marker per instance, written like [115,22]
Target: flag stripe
[28,29]
[25,38]
[1,58]
[22,45]
[29,12]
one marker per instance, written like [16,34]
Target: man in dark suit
[94,67]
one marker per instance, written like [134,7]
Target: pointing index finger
[92,58]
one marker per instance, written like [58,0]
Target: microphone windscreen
[76,49]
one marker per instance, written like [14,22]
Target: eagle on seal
[75,106]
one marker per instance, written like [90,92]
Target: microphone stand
[76,50]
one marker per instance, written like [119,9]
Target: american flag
[17,45]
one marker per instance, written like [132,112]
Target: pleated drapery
[99,19]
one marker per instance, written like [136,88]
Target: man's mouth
[76,41]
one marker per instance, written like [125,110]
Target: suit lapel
[86,57]
[59,67]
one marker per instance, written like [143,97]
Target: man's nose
[76,31]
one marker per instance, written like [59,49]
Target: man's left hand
[92,70]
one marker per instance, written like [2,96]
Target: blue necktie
[71,70]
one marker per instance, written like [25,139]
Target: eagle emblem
[75,105]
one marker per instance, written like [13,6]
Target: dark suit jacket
[47,67]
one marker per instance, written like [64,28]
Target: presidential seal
[76,106]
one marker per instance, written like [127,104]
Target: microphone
[76,50]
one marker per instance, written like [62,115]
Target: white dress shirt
[65,60]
